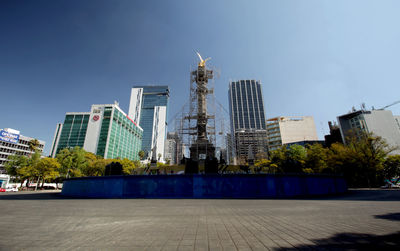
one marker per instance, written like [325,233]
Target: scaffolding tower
[201,124]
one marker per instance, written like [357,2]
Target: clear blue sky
[315,58]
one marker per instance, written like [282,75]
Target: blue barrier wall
[204,186]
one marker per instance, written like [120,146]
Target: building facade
[247,118]
[71,133]
[379,122]
[250,143]
[290,129]
[246,105]
[174,148]
[13,143]
[397,120]
[148,108]
[170,151]
[106,131]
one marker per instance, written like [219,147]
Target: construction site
[201,125]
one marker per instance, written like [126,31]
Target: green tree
[369,152]
[141,154]
[316,158]
[13,167]
[128,166]
[33,145]
[14,163]
[392,167]
[278,157]
[96,168]
[73,161]
[265,165]
[361,160]
[47,169]
[95,165]
[289,160]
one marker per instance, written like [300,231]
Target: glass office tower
[246,105]
[106,131]
[73,132]
[152,116]
[247,118]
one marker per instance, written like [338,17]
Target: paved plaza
[361,219]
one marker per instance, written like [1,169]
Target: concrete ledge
[205,186]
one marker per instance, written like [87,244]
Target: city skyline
[313,57]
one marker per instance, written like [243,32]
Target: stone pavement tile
[189,236]
[154,247]
[139,224]
[228,247]
[172,243]
[201,244]
[170,248]
[216,247]
[159,242]
[185,248]
[188,242]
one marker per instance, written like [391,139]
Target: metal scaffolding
[186,121]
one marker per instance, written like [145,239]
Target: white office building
[379,122]
[290,129]
[13,143]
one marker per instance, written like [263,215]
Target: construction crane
[394,103]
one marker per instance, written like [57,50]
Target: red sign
[96,117]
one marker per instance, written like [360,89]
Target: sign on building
[9,137]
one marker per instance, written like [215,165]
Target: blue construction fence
[204,186]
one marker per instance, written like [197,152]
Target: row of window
[12,151]
[22,145]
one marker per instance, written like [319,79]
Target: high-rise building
[13,143]
[148,108]
[174,148]
[246,105]
[71,133]
[247,117]
[170,151]
[286,130]
[106,131]
[250,143]
[379,122]
[229,148]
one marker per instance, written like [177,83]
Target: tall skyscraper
[247,117]
[148,108]
[106,131]
[246,105]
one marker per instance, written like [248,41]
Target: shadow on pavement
[353,241]
[392,217]
[366,195]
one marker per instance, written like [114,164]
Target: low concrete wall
[204,186]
